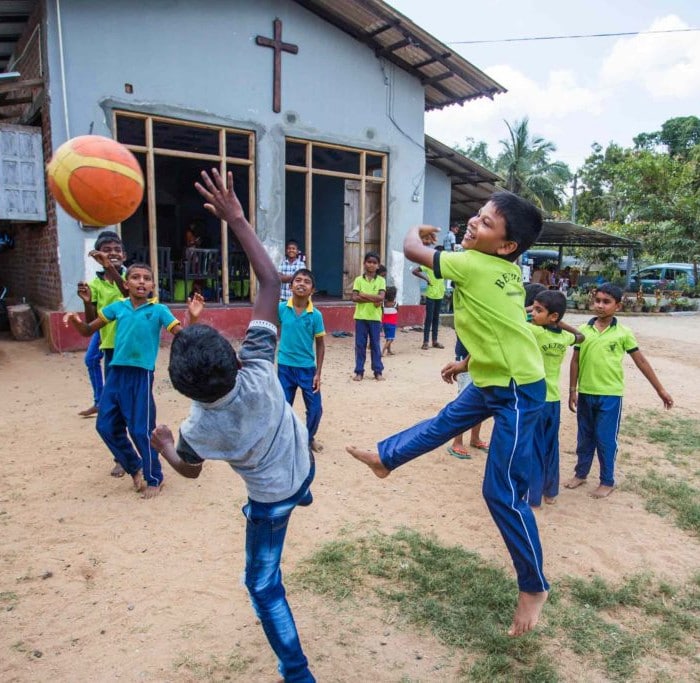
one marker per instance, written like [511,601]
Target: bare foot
[574,483]
[117,471]
[527,613]
[139,481]
[89,412]
[550,500]
[390,352]
[602,492]
[371,459]
[151,491]
[316,446]
[357,378]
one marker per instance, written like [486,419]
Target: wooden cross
[279,47]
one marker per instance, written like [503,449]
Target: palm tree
[525,163]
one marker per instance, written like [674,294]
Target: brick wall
[31,269]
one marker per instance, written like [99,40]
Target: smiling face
[115,252]
[292,251]
[139,283]
[302,286]
[486,232]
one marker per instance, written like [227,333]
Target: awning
[562,234]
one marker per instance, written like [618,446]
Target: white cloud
[665,65]
[545,104]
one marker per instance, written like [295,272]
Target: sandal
[481,445]
[459,453]
[425,347]
[357,378]
[438,345]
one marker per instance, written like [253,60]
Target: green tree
[477,151]
[525,163]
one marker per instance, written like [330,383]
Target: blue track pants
[127,404]
[598,420]
[363,330]
[292,378]
[544,475]
[515,410]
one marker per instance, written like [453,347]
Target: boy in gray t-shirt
[239,414]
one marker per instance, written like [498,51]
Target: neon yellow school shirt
[104,293]
[490,318]
[552,342]
[367,310]
[600,358]
[436,285]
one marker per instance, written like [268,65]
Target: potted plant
[639,302]
[656,307]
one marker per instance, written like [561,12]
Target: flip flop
[481,445]
[460,455]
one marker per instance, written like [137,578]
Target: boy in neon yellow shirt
[596,386]
[368,293]
[507,374]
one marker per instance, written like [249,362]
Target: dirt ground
[99,585]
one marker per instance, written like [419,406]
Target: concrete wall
[199,61]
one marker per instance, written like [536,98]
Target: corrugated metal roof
[555,233]
[472,184]
[447,77]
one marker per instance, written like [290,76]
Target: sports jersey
[436,285]
[138,331]
[367,310]
[553,342]
[298,333]
[490,317]
[600,358]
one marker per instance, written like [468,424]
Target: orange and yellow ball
[96,180]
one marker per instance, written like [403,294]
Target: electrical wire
[572,36]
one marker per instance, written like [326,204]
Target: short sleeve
[109,312]
[319,329]
[381,283]
[186,452]
[356,285]
[167,319]
[260,342]
[452,266]
[630,342]
[569,337]
[280,309]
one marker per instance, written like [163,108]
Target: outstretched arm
[415,244]
[83,328]
[221,200]
[162,440]
[645,368]
[420,274]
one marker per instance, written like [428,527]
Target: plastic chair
[202,266]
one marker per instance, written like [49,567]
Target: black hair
[108,236]
[523,220]
[307,272]
[381,270]
[390,293]
[203,365]
[292,241]
[553,300]
[371,254]
[611,290]
[532,289]
[133,266]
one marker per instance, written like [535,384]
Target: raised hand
[428,233]
[100,257]
[220,198]
[84,292]
[195,305]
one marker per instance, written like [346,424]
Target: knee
[264,589]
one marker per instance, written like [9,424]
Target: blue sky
[575,92]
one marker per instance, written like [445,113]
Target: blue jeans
[432,319]
[93,362]
[266,528]
[598,419]
[291,378]
[371,329]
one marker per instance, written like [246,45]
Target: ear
[506,248]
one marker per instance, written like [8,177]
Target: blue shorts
[389,331]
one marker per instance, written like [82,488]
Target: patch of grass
[680,435]
[213,668]
[667,495]
[468,604]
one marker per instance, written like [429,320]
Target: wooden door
[354,250]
